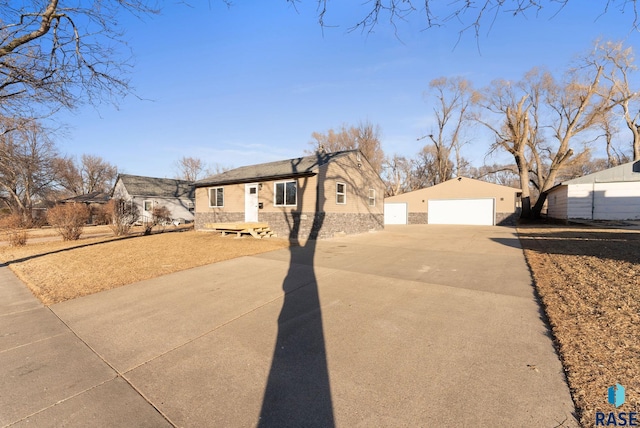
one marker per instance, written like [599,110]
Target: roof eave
[254,179]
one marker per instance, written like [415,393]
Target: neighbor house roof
[297,167]
[626,172]
[89,198]
[156,187]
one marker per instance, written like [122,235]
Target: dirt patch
[56,271]
[589,282]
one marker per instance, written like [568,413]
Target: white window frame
[216,190]
[144,205]
[284,196]
[343,193]
[372,198]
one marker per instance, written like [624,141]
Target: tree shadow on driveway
[298,389]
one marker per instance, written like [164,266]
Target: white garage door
[461,211]
[395,213]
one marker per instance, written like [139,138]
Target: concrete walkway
[413,326]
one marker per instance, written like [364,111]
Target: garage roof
[626,172]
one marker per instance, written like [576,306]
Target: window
[216,197]
[148,206]
[286,194]
[341,193]
[372,197]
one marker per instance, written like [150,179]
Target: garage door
[395,213]
[461,211]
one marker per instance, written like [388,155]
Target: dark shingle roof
[157,187]
[89,198]
[288,168]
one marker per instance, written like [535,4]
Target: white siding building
[612,194]
[149,193]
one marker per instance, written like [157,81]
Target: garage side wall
[603,201]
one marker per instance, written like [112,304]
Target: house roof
[289,168]
[90,198]
[626,172]
[157,187]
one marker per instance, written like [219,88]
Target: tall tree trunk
[525,198]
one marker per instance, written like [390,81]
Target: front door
[251,202]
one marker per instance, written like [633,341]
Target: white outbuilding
[612,194]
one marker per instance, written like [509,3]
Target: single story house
[95,201]
[460,200]
[312,197]
[149,192]
[612,194]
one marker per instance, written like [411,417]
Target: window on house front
[148,206]
[341,193]
[216,197]
[372,197]
[286,194]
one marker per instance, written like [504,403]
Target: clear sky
[250,83]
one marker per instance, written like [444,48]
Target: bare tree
[397,173]
[91,174]
[576,106]
[516,108]
[27,165]
[68,176]
[569,109]
[364,137]
[189,168]
[504,175]
[454,98]
[465,15]
[617,60]
[59,53]
[98,175]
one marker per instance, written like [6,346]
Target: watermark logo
[616,395]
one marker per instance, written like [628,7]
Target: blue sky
[250,83]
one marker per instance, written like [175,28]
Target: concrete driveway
[413,326]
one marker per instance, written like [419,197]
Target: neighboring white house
[149,192]
[612,194]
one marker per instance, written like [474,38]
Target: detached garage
[612,194]
[460,201]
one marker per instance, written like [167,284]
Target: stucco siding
[506,200]
[358,177]
[316,203]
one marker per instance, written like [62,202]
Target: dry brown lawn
[56,271]
[589,282]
